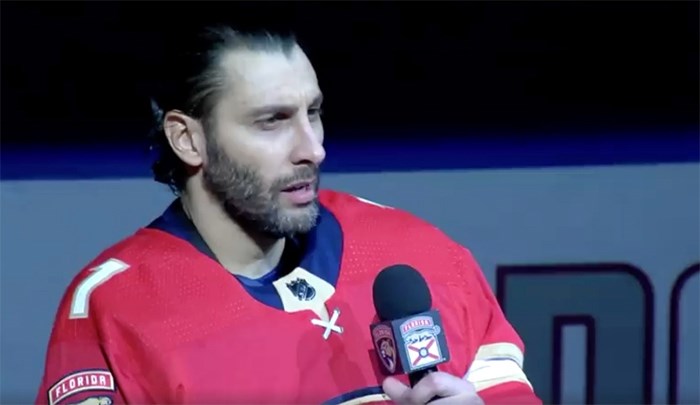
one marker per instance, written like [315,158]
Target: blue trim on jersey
[268,278]
[427,151]
[320,251]
[324,248]
[353,395]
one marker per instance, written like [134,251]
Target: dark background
[503,85]
[79,71]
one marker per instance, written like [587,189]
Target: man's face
[266,142]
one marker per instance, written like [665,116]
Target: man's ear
[185,136]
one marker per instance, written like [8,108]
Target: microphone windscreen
[400,291]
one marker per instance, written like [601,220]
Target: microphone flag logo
[410,344]
[421,344]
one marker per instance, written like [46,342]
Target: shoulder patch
[80,381]
[94,401]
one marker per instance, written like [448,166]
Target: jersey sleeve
[76,372]
[497,370]
[77,368]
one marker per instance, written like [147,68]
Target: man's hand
[449,389]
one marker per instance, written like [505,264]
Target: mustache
[305,173]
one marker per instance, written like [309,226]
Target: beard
[254,206]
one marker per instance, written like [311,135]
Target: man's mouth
[300,185]
[300,193]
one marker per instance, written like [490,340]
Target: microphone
[409,337]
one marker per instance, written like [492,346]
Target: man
[254,286]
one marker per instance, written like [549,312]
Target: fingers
[396,390]
[438,384]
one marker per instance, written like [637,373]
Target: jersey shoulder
[114,277]
[388,235]
[355,213]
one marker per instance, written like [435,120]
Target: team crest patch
[420,336]
[88,380]
[302,289]
[385,346]
[94,401]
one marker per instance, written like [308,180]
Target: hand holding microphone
[410,339]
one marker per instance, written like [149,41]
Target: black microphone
[409,337]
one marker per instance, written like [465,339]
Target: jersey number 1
[81,297]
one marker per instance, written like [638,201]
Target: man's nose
[309,146]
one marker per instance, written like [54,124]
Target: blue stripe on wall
[408,154]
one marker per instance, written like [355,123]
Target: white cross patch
[330,325]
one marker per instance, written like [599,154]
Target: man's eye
[274,118]
[272,121]
[315,112]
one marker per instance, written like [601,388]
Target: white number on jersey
[81,298]
[372,202]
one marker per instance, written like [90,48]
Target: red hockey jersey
[156,319]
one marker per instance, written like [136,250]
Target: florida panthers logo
[95,401]
[301,289]
[385,346]
[388,353]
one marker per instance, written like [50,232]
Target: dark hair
[192,83]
